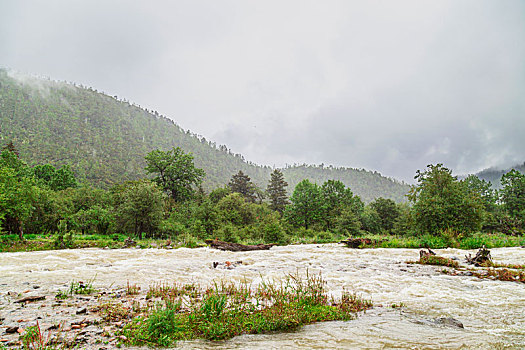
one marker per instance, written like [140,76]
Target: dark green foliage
[348,223]
[306,208]
[513,193]
[276,191]
[16,193]
[219,193]
[139,207]
[482,189]
[105,140]
[336,198]
[443,203]
[370,220]
[241,183]
[56,179]
[388,213]
[274,233]
[175,173]
[163,323]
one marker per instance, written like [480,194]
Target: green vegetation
[276,191]
[225,310]
[77,287]
[437,260]
[443,212]
[105,139]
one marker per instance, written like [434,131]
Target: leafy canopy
[442,203]
[176,173]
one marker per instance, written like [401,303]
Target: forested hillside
[494,175]
[104,139]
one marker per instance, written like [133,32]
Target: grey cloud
[389,86]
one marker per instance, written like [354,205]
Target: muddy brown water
[492,312]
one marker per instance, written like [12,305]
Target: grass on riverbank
[437,261]
[225,310]
[11,243]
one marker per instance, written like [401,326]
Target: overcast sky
[384,85]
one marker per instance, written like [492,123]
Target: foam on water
[493,312]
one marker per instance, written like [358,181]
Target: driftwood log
[236,247]
[482,257]
[358,242]
[30,298]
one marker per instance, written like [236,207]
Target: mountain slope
[494,175]
[105,139]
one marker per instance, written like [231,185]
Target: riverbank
[48,242]
[490,310]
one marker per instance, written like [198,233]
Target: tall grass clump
[225,310]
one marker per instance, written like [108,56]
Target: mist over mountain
[105,138]
[493,175]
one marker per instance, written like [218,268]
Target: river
[492,312]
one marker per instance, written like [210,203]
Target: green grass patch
[438,261]
[225,310]
[77,287]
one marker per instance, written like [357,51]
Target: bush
[324,237]
[274,233]
[228,233]
[163,323]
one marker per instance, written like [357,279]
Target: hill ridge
[105,139]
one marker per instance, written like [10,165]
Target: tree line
[171,203]
[44,118]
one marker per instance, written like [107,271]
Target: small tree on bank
[241,183]
[276,191]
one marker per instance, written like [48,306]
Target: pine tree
[276,191]
[242,184]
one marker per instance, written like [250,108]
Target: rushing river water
[493,312]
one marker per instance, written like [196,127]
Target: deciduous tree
[176,173]
[441,203]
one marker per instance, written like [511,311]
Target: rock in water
[449,321]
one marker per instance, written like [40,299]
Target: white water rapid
[492,312]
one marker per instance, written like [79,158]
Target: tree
[139,207]
[306,208]
[176,173]
[513,193]
[483,189]
[236,210]
[16,193]
[241,183]
[276,191]
[56,179]
[336,199]
[387,211]
[441,203]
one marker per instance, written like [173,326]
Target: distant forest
[104,140]
[494,175]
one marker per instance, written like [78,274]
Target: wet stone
[449,321]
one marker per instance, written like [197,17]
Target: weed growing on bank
[225,310]
[77,287]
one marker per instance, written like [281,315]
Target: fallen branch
[31,298]
[236,247]
[359,242]
[482,257]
